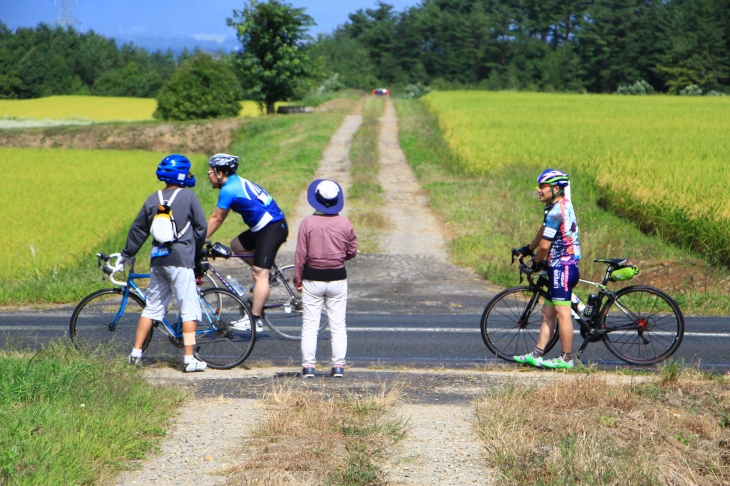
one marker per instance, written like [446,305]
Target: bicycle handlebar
[111,268]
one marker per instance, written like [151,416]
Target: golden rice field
[660,160]
[92,108]
[59,207]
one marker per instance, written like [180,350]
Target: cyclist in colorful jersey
[557,245]
[267,231]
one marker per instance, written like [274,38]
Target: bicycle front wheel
[511,323]
[224,336]
[103,318]
[644,325]
[283,310]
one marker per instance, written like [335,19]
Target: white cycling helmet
[229,162]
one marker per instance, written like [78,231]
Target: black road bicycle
[639,324]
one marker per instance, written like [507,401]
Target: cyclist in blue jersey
[267,231]
[557,247]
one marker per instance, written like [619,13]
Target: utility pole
[65,18]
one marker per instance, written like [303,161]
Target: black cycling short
[265,242]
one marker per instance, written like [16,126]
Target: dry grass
[312,439]
[673,430]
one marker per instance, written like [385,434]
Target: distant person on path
[325,241]
[173,263]
[556,244]
[267,231]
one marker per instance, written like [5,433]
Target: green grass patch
[365,197]
[488,213]
[69,418]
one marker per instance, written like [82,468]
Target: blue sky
[188,21]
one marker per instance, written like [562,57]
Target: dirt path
[335,164]
[412,275]
[416,230]
[204,440]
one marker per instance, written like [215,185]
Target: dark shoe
[337,372]
[307,372]
[135,361]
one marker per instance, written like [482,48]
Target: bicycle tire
[217,342]
[92,322]
[659,317]
[208,282]
[501,326]
[287,325]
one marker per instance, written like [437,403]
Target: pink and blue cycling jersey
[561,227]
[249,200]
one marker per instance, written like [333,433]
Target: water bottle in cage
[578,306]
[590,305]
[236,285]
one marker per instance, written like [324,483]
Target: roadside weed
[71,418]
[590,431]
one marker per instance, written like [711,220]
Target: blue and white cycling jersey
[561,227]
[249,200]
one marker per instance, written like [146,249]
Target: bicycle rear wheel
[511,323]
[645,325]
[224,336]
[101,320]
[283,310]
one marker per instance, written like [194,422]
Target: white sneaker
[243,324]
[259,326]
[195,365]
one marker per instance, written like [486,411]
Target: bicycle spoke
[100,320]
[224,337]
[644,325]
[505,330]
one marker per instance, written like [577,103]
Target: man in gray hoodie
[172,267]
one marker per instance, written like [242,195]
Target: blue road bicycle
[224,336]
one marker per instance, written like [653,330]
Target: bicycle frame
[129,285]
[274,272]
[591,328]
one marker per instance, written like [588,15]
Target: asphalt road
[403,339]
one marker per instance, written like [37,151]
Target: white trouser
[334,296]
[166,282]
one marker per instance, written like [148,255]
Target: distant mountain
[178,44]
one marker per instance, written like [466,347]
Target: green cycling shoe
[557,364]
[529,359]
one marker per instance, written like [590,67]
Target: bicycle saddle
[614,262]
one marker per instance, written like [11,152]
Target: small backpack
[164,229]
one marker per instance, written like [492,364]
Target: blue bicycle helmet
[175,169]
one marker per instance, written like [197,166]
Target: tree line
[546,45]
[48,60]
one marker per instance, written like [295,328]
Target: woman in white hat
[325,241]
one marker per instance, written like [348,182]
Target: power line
[65,18]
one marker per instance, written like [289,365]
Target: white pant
[334,296]
[166,282]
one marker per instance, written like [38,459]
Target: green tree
[201,88]
[274,63]
[340,54]
[698,50]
